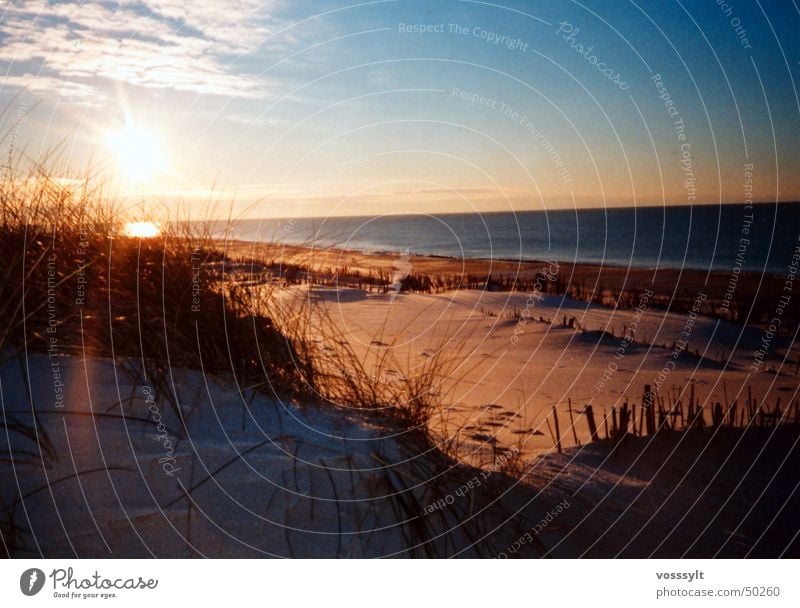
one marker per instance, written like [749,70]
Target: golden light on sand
[142,230]
[138,152]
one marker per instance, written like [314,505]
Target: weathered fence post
[699,418]
[717,417]
[558,431]
[590,420]
[572,423]
[624,418]
[648,410]
[614,427]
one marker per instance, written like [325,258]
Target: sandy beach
[665,281]
[514,355]
[399,280]
[344,404]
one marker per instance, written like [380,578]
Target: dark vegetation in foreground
[73,284]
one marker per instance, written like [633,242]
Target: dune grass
[74,284]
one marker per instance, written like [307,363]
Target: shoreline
[444,258]
[237,246]
[607,284]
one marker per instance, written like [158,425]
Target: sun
[142,230]
[138,152]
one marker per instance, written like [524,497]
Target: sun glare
[138,152]
[142,230]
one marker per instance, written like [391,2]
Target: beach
[514,355]
[399,280]
[252,400]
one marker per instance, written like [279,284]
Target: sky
[286,109]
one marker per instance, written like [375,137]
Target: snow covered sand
[712,492]
[249,477]
[517,359]
[114,474]
[730,494]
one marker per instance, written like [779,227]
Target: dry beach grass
[134,316]
[184,396]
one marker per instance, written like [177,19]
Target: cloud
[73,48]
[69,90]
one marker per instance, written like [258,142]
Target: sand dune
[526,363]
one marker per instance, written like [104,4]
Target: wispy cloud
[75,48]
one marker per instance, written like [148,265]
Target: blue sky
[347,109]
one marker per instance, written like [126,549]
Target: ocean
[760,237]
